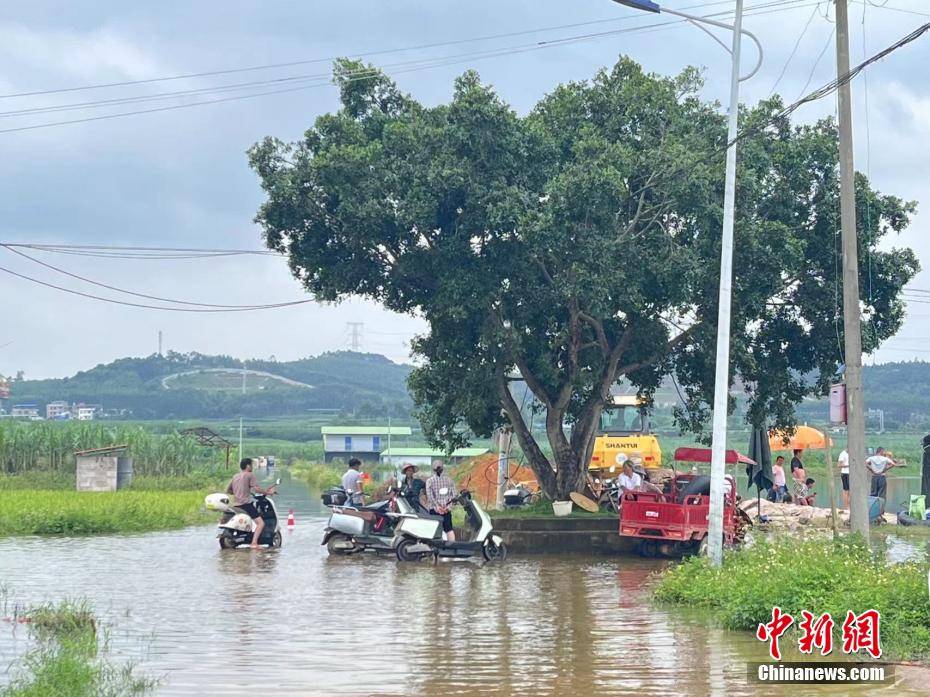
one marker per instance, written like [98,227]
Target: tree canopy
[578,245]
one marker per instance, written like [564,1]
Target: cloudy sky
[178,177]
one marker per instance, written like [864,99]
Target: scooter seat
[369,516]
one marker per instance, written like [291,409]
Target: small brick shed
[103,469]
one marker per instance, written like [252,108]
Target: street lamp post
[722,374]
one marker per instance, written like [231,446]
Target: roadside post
[858,477]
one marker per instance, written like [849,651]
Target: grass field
[818,575]
[45,512]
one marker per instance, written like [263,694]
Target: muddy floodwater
[296,622]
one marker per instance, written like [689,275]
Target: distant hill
[193,385]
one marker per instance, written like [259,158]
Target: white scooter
[420,536]
[236,528]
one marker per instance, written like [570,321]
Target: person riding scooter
[241,487]
[412,487]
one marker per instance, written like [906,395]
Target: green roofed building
[423,457]
[364,442]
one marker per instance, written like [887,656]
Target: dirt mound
[479,475]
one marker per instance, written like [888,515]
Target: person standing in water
[352,483]
[440,491]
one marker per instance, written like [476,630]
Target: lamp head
[646,5]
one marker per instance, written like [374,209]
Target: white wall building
[54,410]
[25,411]
[363,442]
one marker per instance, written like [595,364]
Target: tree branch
[659,355]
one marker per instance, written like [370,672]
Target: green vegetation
[365,384]
[45,512]
[318,475]
[543,509]
[70,660]
[51,446]
[815,575]
[508,233]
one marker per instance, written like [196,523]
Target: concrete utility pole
[858,477]
[503,464]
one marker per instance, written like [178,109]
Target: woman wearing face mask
[440,491]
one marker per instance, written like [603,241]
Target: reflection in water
[296,622]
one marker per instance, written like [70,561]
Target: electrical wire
[119,252]
[364,75]
[817,62]
[266,306]
[388,51]
[139,305]
[820,93]
[794,51]
[422,64]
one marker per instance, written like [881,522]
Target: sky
[179,177]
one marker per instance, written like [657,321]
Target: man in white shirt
[352,483]
[878,465]
[843,463]
[628,479]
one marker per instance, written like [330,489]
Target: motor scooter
[421,536]
[354,529]
[236,528]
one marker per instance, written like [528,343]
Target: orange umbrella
[803,438]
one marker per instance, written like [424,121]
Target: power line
[817,62]
[423,64]
[290,64]
[130,304]
[794,51]
[117,251]
[266,306]
[785,112]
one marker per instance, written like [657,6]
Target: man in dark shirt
[796,461]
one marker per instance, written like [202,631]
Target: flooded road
[295,622]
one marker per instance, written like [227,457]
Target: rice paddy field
[58,512]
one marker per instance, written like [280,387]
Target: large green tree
[577,245]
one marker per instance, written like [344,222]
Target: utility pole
[159,343]
[858,477]
[724,318]
[503,463]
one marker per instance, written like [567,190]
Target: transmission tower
[354,331]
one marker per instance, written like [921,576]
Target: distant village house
[423,457]
[364,442]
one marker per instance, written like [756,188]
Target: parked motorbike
[518,496]
[354,529]
[421,536]
[236,528]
